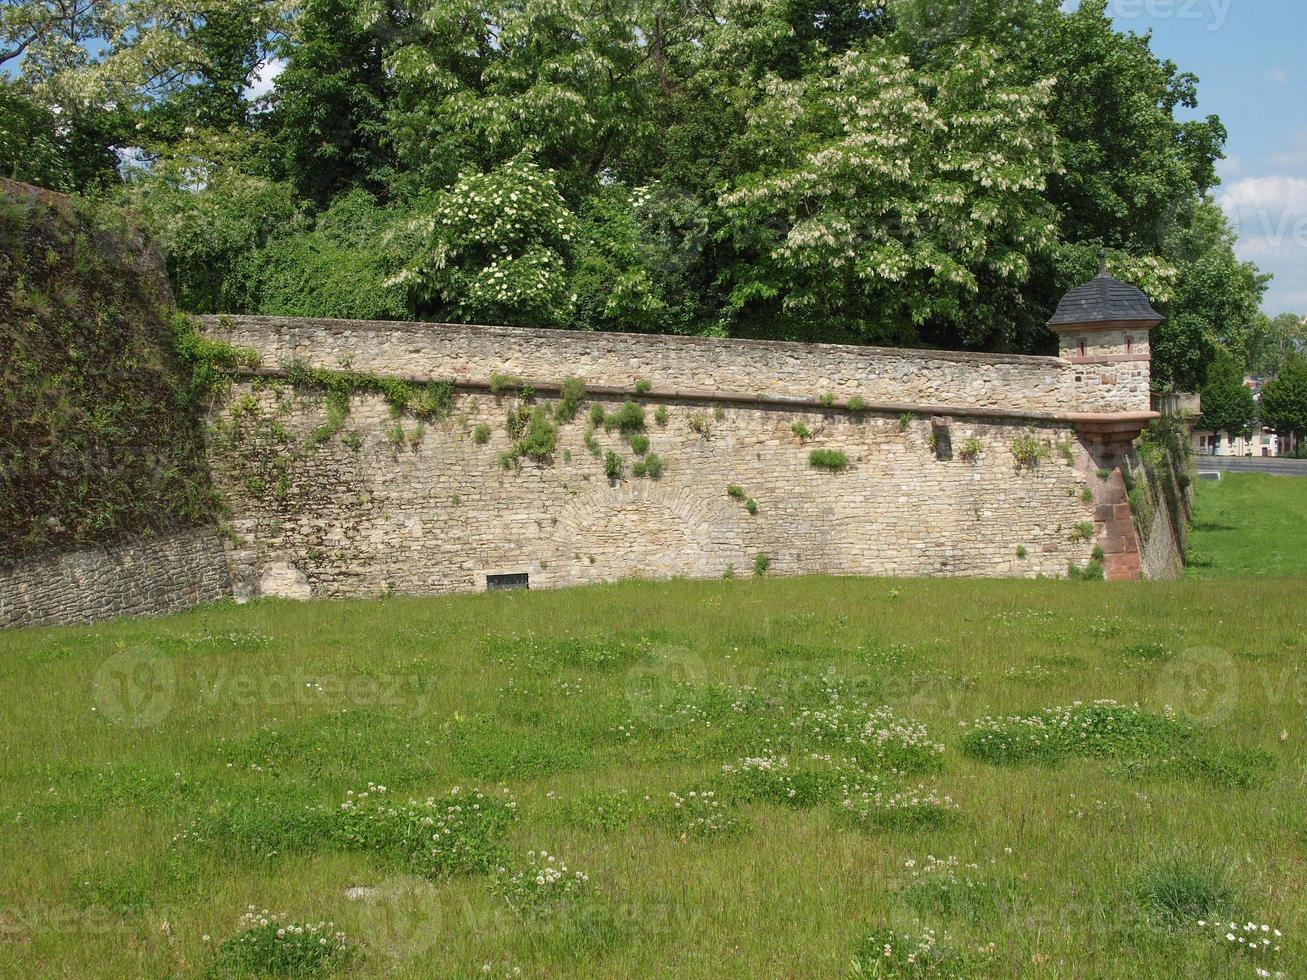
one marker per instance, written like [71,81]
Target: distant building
[1261,441]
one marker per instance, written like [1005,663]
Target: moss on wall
[99,436]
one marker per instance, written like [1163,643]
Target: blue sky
[1251,60]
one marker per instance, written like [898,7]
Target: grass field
[1249,524]
[756,778]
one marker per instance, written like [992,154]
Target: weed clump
[269,944]
[832,460]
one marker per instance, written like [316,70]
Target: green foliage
[536,441]
[613,465]
[905,420]
[336,268]
[270,945]
[801,432]
[761,562]
[571,398]
[857,404]
[481,434]
[970,449]
[639,444]
[428,401]
[1228,404]
[832,460]
[698,422]
[1084,531]
[493,249]
[1103,729]
[1284,400]
[628,419]
[1021,551]
[100,440]
[1028,450]
[643,386]
[660,415]
[735,492]
[751,506]
[650,466]
[30,145]
[1180,891]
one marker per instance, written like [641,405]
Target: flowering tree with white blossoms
[494,247]
[895,196]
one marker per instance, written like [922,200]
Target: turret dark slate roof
[1104,299]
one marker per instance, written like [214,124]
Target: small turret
[1104,321]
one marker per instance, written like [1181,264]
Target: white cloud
[1279,74]
[264,78]
[1270,215]
[1230,168]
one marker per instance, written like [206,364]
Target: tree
[1284,400]
[1267,341]
[1215,296]
[1228,404]
[30,148]
[889,198]
[328,110]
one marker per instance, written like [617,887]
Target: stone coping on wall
[1096,422]
[702,367]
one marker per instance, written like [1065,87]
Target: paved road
[1251,464]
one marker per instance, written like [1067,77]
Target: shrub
[643,386]
[597,415]
[660,415]
[751,506]
[537,442]
[801,431]
[1028,450]
[628,419]
[970,449]
[570,398]
[1021,551]
[857,404]
[1087,496]
[735,492]
[828,459]
[268,945]
[592,444]
[481,434]
[698,422]
[1091,572]
[761,562]
[639,444]
[613,465]
[651,466]
[515,421]
[827,399]
[905,420]
[1067,453]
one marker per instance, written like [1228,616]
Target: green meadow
[1249,524]
[819,777]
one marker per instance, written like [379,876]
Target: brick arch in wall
[651,529]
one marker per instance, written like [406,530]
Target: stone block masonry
[383,503]
[150,577]
[698,365]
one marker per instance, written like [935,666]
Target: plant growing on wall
[735,492]
[761,563]
[481,434]
[570,399]
[613,465]
[639,444]
[537,440]
[1028,450]
[832,460]
[660,415]
[650,466]
[698,422]
[970,449]
[801,431]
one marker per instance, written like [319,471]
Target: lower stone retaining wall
[387,504]
[145,578]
